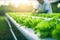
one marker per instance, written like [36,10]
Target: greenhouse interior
[29,19]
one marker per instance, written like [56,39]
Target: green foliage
[35,21]
[53,15]
[58,26]
[2,9]
[53,23]
[43,26]
[56,34]
[32,22]
[27,22]
[46,28]
[45,34]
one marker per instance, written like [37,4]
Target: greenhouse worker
[43,7]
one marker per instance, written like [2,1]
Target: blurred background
[25,5]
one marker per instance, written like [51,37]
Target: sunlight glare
[17,2]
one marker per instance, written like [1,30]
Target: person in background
[43,7]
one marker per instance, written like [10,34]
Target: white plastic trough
[27,32]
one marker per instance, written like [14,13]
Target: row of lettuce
[46,28]
[45,15]
[55,15]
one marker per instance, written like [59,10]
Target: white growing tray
[27,32]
